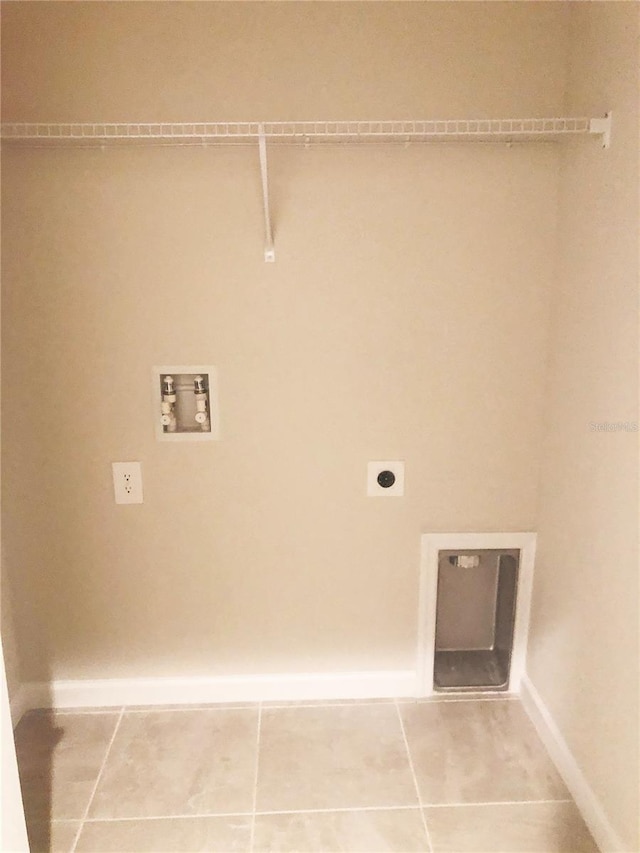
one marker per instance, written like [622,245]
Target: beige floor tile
[519,828]
[57,837]
[341,832]
[59,758]
[473,752]
[169,763]
[333,757]
[177,835]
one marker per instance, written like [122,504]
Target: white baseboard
[590,807]
[117,692]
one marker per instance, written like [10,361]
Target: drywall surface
[11,659]
[9,642]
[583,652]
[405,318]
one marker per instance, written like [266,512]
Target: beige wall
[189,61]
[10,653]
[405,317]
[9,643]
[583,653]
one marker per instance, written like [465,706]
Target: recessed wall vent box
[185,400]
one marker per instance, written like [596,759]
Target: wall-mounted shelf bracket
[602,126]
[269,250]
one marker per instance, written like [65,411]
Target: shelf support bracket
[269,251]
[602,126]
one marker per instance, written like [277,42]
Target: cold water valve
[202,414]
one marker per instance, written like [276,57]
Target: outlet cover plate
[127,482]
[374,489]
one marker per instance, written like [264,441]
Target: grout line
[160,709]
[441,700]
[255,782]
[348,703]
[265,813]
[194,816]
[415,780]
[95,787]
[493,803]
[339,809]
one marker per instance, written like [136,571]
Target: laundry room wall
[583,650]
[405,317]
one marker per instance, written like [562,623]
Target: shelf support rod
[269,251]
[603,127]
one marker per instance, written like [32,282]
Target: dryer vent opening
[475,617]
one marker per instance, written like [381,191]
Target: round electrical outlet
[386,479]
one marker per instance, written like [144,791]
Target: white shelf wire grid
[102,133]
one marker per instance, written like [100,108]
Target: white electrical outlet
[127,482]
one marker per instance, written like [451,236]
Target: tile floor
[468,775]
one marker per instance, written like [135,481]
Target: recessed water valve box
[185,399]
[385,479]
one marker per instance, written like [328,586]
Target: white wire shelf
[88,134]
[103,133]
